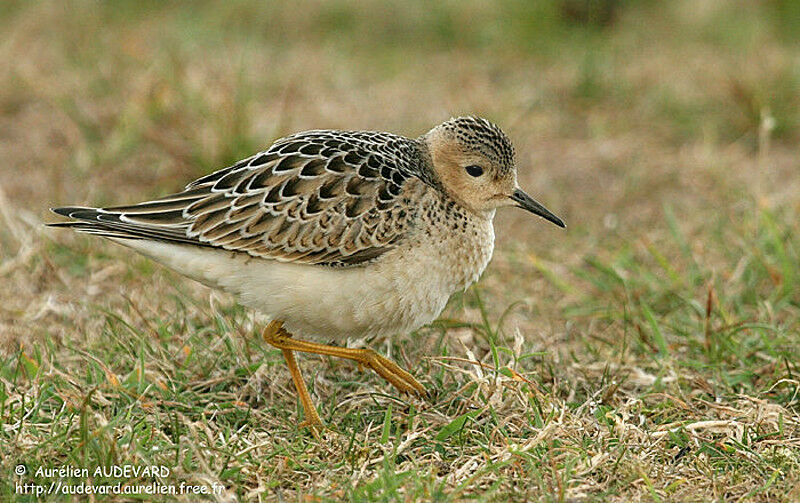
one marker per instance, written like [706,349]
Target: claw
[392,372]
[314,427]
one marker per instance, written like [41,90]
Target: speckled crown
[484,137]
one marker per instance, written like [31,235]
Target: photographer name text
[116,471]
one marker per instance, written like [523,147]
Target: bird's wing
[319,197]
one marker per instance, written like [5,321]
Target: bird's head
[475,163]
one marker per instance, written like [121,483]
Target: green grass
[647,353]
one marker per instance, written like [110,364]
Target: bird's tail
[114,223]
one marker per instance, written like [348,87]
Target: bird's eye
[475,171]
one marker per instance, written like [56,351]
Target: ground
[649,352]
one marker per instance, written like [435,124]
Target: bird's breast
[419,277]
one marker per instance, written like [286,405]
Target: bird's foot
[390,371]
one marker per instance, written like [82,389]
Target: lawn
[648,353]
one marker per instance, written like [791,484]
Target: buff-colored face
[471,177]
[480,181]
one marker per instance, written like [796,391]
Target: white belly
[405,289]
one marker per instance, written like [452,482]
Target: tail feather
[106,222]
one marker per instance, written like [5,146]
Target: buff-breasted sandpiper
[335,233]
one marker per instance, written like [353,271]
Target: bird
[335,233]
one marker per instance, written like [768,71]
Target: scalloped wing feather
[319,197]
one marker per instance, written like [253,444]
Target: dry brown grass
[667,141]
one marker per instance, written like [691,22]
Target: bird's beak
[526,202]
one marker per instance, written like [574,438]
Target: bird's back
[319,197]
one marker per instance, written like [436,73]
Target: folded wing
[319,197]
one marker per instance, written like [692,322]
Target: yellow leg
[312,418]
[277,336]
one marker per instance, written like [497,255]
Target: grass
[648,353]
